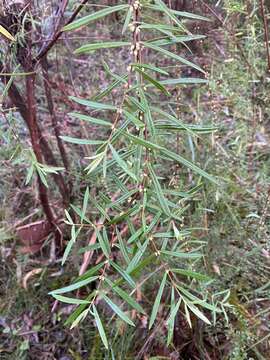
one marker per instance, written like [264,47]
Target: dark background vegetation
[235,216]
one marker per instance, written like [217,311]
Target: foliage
[136,200]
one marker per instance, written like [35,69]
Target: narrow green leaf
[81,141]
[190,15]
[130,212]
[122,246]
[138,123]
[181,255]
[111,163]
[67,251]
[89,48]
[30,173]
[125,296]
[157,301]
[100,327]
[150,67]
[93,104]
[176,40]
[188,164]
[68,300]
[172,55]
[153,223]
[92,166]
[109,88]
[124,274]
[91,119]
[133,266]
[118,311]
[184,81]
[127,19]
[171,321]
[74,286]
[93,17]
[196,301]
[122,79]
[85,203]
[122,198]
[68,217]
[41,175]
[198,313]
[153,81]
[80,318]
[91,271]
[145,143]
[135,236]
[187,127]
[133,102]
[181,13]
[104,244]
[79,309]
[158,191]
[191,274]
[174,120]
[78,211]
[169,13]
[122,163]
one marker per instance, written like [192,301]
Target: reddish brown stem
[34,135]
[54,120]
[53,116]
